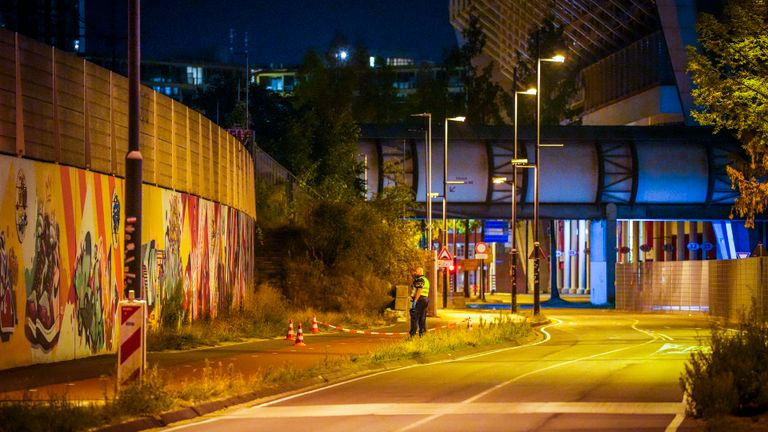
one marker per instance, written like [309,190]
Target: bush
[731,378]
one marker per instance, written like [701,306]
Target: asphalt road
[591,371]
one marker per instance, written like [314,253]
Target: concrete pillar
[566,256]
[668,230]
[598,262]
[658,241]
[706,237]
[610,252]
[582,257]
[558,260]
[693,236]
[635,241]
[681,246]
[573,256]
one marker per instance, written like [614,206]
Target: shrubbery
[345,255]
[732,377]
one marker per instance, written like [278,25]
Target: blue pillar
[602,258]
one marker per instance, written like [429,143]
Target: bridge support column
[582,257]
[602,260]
[681,246]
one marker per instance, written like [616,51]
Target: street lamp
[536,245]
[445,199]
[513,268]
[429,195]
[429,176]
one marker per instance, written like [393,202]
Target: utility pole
[133,160]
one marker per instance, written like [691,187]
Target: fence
[723,288]
[57,107]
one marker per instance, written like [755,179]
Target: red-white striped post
[132,352]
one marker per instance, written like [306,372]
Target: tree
[559,82]
[731,79]
[482,97]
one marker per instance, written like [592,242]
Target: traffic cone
[290,330]
[314,324]
[469,323]
[300,337]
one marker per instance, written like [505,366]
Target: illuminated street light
[445,199]
[536,245]
[515,163]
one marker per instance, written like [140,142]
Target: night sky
[279,31]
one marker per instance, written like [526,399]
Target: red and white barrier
[368,332]
[132,351]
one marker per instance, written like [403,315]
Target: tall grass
[500,330]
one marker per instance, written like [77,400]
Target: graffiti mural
[9,276]
[87,283]
[61,275]
[43,324]
[21,205]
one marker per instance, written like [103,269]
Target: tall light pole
[433,268]
[445,200]
[536,245]
[513,268]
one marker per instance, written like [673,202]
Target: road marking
[673,349]
[654,338]
[460,408]
[547,337]
[679,417]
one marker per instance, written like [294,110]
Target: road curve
[593,371]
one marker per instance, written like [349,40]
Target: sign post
[132,351]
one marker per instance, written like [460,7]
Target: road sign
[444,257]
[496,231]
[540,251]
[481,250]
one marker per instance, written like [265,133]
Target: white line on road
[654,337]
[459,408]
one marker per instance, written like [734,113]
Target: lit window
[194,75]
[372,61]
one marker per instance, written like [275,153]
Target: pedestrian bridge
[659,172]
[607,195]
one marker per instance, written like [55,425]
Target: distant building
[406,77]
[632,53]
[60,23]
[179,80]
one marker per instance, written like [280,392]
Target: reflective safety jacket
[420,284]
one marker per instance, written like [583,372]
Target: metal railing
[57,107]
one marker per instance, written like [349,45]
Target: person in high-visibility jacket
[419,302]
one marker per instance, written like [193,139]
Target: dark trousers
[419,316]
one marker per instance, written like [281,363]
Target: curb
[167,418]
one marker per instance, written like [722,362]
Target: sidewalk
[93,378]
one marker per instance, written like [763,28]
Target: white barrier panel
[132,352]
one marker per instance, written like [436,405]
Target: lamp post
[536,244]
[433,268]
[513,268]
[445,199]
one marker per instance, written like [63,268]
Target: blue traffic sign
[496,231]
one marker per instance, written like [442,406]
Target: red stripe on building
[130,346]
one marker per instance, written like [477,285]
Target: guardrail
[57,107]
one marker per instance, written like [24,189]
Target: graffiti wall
[61,266]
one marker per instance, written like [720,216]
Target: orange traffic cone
[469,323]
[314,324]
[290,330]
[300,337]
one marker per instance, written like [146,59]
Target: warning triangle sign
[538,251]
[444,255]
